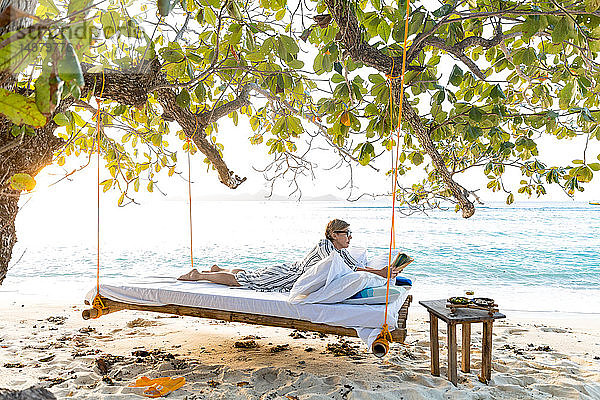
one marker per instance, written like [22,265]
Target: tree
[328,70]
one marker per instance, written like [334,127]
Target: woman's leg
[222,277]
[216,268]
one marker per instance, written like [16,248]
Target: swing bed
[103,305]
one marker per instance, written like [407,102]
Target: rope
[97,302]
[190,201]
[98,104]
[395,164]
[189,146]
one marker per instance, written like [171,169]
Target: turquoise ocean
[532,256]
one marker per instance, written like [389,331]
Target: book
[400,260]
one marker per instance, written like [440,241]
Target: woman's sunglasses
[348,232]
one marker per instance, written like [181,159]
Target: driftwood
[398,335]
[33,393]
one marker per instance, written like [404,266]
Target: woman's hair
[335,225]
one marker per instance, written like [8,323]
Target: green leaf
[416,23]
[200,92]
[69,68]
[280,14]
[475,114]
[210,16]
[591,5]
[585,174]
[563,29]
[183,99]
[254,56]
[76,7]
[62,119]
[289,44]
[440,97]
[172,54]
[442,11]
[594,166]
[164,7]
[417,158]
[384,30]
[20,109]
[366,151]
[48,90]
[49,4]
[497,92]
[295,64]
[234,10]
[110,22]
[510,199]
[294,125]
[337,67]
[456,76]
[472,133]
[22,182]
[337,78]
[565,95]
[199,18]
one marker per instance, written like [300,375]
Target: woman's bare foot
[215,268]
[190,276]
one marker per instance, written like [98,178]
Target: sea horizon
[533,257]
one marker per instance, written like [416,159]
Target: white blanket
[366,319]
[331,281]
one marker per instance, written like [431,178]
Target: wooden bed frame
[398,335]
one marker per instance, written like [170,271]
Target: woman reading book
[281,278]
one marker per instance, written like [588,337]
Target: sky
[242,158]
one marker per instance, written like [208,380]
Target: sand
[536,356]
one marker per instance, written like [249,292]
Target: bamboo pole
[398,335]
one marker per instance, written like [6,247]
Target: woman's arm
[381,272]
[384,271]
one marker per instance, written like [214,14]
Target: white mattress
[162,291]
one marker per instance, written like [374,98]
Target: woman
[281,278]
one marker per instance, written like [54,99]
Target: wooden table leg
[452,374]
[465,361]
[486,353]
[434,345]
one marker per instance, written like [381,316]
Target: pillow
[375,295]
[402,281]
[382,260]
[342,287]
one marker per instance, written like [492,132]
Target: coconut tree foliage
[485,81]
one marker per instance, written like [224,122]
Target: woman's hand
[383,272]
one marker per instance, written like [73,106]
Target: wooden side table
[465,317]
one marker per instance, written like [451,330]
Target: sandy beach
[535,356]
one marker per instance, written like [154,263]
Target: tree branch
[360,51]
[131,87]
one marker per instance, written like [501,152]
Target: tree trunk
[8,236]
[32,393]
[9,198]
